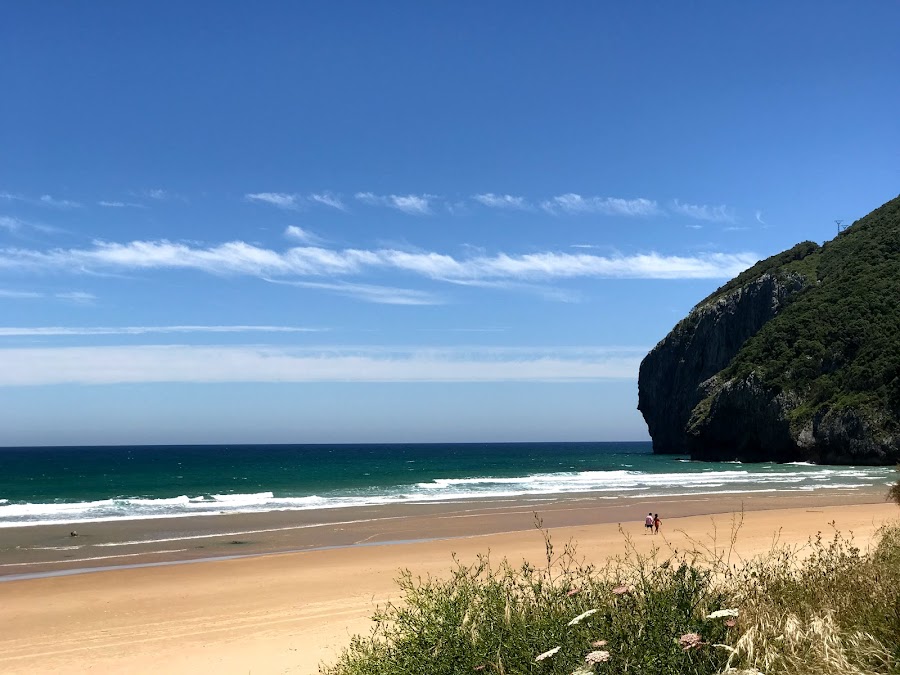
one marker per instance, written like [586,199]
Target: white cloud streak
[184,363]
[759,218]
[43,200]
[280,199]
[47,200]
[120,205]
[714,214]
[78,297]
[19,295]
[328,199]
[239,257]
[575,204]
[414,205]
[505,202]
[17,226]
[381,295]
[65,331]
[294,201]
[300,235]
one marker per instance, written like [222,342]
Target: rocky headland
[795,359]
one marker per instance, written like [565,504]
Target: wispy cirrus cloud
[506,202]
[415,205]
[17,226]
[714,214]
[19,295]
[238,257]
[187,363]
[120,205]
[43,200]
[156,193]
[300,235]
[282,200]
[65,331]
[47,200]
[546,292]
[78,297]
[293,201]
[328,199]
[575,204]
[380,295]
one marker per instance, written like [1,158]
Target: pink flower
[597,657]
[621,590]
[690,641]
[573,591]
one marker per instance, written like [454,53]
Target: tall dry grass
[827,607]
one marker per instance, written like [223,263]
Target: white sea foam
[611,484]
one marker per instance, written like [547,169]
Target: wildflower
[581,616]
[718,614]
[690,641]
[731,623]
[547,654]
[573,591]
[598,643]
[621,590]
[597,657]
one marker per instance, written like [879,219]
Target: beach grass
[825,607]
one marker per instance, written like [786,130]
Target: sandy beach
[281,592]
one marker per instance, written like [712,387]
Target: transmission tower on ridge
[838,223]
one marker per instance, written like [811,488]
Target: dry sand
[286,612]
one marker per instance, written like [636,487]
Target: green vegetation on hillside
[798,260]
[829,608]
[837,343]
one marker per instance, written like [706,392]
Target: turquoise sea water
[76,484]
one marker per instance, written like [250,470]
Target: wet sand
[275,612]
[49,549]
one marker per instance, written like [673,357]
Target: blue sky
[349,221]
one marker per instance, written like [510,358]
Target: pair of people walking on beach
[652,522]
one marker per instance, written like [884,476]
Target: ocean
[56,485]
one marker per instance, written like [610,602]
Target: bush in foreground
[828,608]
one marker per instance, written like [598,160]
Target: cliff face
[796,359]
[672,374]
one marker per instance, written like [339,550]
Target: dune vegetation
[826,607]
